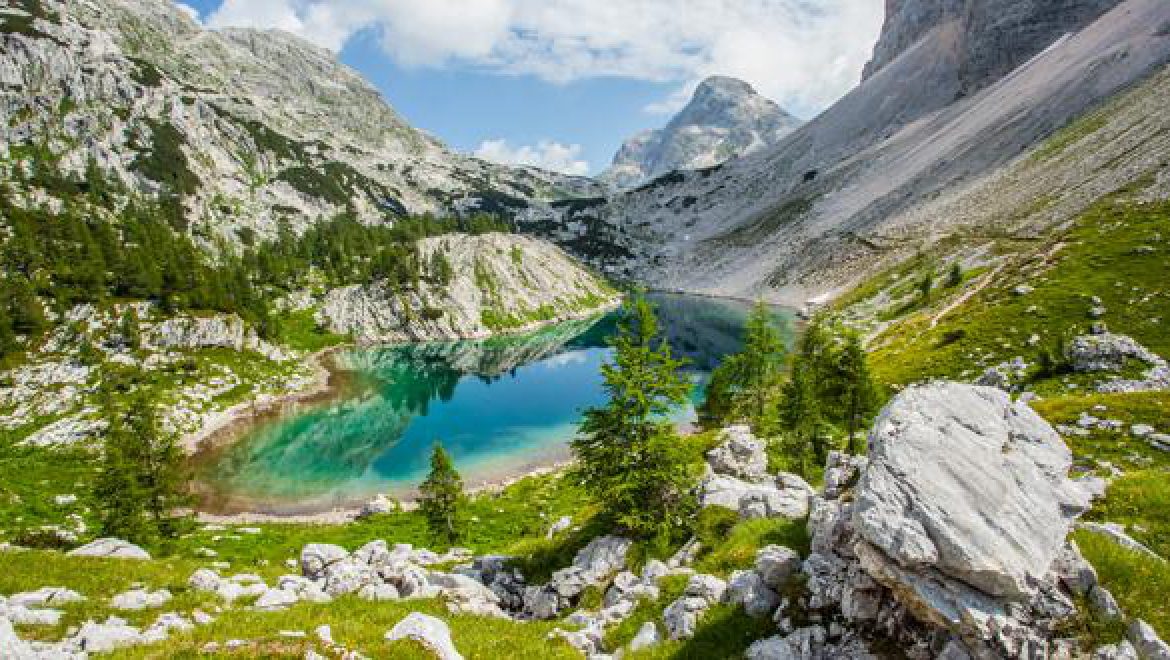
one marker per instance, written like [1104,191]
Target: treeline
[74,256]
[820,398]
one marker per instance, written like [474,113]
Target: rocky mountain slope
[245,129]
[724,119]
[933,118]
[499,283]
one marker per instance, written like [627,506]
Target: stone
[741,455]
[140,599]
[787,496]
[1141,430]
[205,579]
[1074,571]
[563,523]
[593,565]
[25,616]
[46,597]
[681,617]
[1104,603]
[11,646]
[349,575]
[1116,532]
[707,587]
[747,588]
[379,505]
[963,480]
[273,600]
[1107,352]
[776,565]
[315,557]
[95,637]
[378,592]
[646,637]
[110,548]
[1146,642]
[1122,650]
[428,631]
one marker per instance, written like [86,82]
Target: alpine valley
[284,376]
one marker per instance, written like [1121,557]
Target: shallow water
[501,407]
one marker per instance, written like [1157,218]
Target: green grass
[1118,447]
[1138,582]
[299,330]
[1101,255]
[730,545]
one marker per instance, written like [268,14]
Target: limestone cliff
[500,283]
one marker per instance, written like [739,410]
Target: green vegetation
[441,498]
[141,483]
[629,458]
[1138,582]
[745,387]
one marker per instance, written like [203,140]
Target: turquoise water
[500,406]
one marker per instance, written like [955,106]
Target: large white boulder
[428,631]
[963,480]
[315,557]
[111,548]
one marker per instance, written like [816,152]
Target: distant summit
[725,118]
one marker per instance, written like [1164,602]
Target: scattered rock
[563,523]
[647,636]
[315,557]
[46,597]
[380,505]
[776,565]
[428,631]
[1117,533]
[1146,641]
[748,589]
[140,599]
[110,548]
[741,455]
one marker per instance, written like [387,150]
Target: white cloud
[545,154]
[802,53]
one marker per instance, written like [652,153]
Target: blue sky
[561,83]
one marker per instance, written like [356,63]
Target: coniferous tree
[141,482]
[746,385]
[442,498]
[628,455]
[955,277]
[860,395]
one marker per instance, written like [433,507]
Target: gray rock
[563,523]
[776,565]
[315,557]
[46,597]
[205,579]
[786,497]
[646,637]
[349,575]
[273,600]
[681,617]
[748,589]
[1146,641]
[428,631]
[1104,603]
[741,455]
[140,599]
[707,587]
[111,548]
[379,505]
[1122,650]
[1116,532]
[1107,352]
[378,592]
[963,480]
[95,637]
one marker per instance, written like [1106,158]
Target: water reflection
[496,404]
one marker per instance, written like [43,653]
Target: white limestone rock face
[725,118]
[594,565]
[962,480]
[741,455]
[428,631]
[519,280]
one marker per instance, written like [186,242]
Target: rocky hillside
[813,213]
[725,118]
[499,283]
[242,129]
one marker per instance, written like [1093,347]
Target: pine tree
[745,386]
[141,483]
[129,331]
[442,497]
[860,394]
[628,456]
[955,277]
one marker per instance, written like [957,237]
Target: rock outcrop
[725,118]
[737,479]
[500,283]
[111,548]
[956,526]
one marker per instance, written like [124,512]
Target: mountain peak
[725,118]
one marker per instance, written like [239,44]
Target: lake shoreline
[323,385]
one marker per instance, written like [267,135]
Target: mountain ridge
[725,118]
